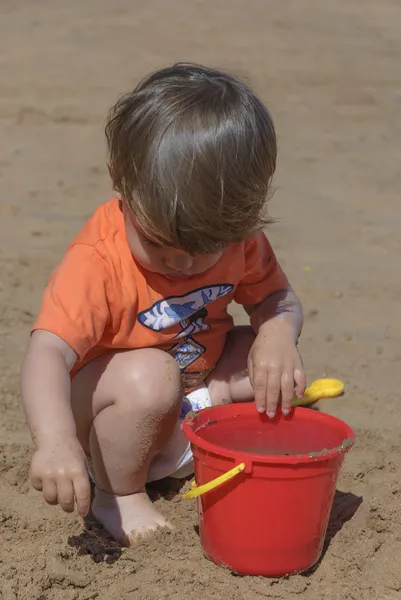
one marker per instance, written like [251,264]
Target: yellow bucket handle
[211,485]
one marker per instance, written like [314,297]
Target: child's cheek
[208,262]
[142,254]
[139,251]
[147,257]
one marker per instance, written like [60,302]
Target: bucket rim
[246,407]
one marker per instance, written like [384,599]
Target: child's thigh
[136,380]
[229,382]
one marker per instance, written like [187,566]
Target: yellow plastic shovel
[318,390]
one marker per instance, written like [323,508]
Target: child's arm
[58,465]
[283,307]
[275,366]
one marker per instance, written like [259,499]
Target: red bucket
[265,488]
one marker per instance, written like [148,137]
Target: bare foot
[126,517]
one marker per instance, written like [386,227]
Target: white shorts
[176,459]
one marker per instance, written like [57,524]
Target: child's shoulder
[104,224]
[256,244]
[101,242]
[98,255]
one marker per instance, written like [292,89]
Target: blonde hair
[193,151]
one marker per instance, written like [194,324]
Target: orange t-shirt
[100,300]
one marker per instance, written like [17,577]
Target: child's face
[173,263]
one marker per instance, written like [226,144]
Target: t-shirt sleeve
[74,304]
[263,275]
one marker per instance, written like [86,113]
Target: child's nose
[179,262]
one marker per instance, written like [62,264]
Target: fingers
[273,391]
[64,489]
[259,380]
[250,369]
[82,493]
[65,494]
[50,491]
[272,384]
[36,481]
[287,391]
[55,492]
[269,385]
[299,379]
[73,489]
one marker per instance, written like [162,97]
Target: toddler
[133,330]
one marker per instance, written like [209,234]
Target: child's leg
[229,381]
[126,406]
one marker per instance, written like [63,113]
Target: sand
[330,73]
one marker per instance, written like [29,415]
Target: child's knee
[150,379]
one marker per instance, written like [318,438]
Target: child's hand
[275,368]
[58,469]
